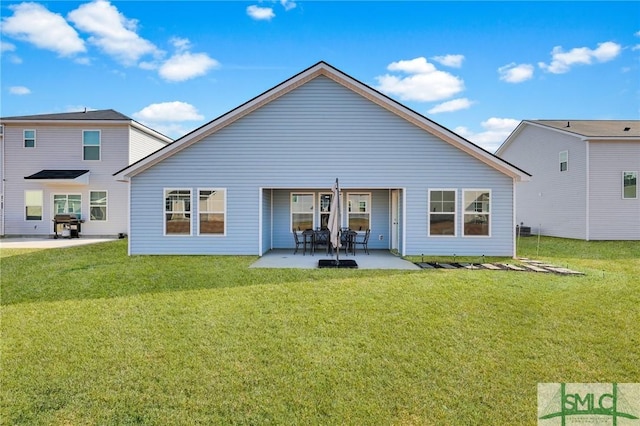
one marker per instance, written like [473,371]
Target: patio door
[395,219]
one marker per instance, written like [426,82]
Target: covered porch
[284,210]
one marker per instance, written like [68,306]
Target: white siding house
[243,182]
[64,164]
[584,177]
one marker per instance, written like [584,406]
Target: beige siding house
[63,164]
[584,177]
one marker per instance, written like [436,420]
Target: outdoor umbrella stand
[334,229]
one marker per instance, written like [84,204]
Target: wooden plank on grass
[535,268]
[447,266]
[491,267]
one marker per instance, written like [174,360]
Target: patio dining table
[311,237]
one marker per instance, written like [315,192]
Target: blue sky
[477,68]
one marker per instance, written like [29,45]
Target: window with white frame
[91,145]
[29,137]
[98,205]
[477,216]
[564,161]
[177,212]
[442,212]
[325,209]
[359,211]
[301,211]
[33,202]
[211,211]
[68,204]
[629,185]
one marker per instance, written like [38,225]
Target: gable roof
[95,116]
[324,69]
[102,115]
[601,130]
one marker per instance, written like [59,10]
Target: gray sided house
[244,182]
[63,164]
[584,181]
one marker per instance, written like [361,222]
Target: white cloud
[563,61]
[19,90]
[168,117]
[454,61]
[288,5]
[185,65]
[33,23]
[260,13]
[7,47]
[423,83]
[452,105]
[168,111]
[112,32]
[513,73]
[496,130]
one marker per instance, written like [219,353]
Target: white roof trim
[328,71]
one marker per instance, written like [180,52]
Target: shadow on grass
[104,270]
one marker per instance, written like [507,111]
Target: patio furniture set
[349,240]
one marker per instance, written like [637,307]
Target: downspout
[513,224]
[588,195]
[3,197]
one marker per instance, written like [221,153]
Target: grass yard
[91,336]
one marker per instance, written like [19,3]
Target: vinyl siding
[60,147]
[553,202]
[305,140]
[611,216]
[142,144]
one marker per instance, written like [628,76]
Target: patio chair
[321,238]
[362,240]
[296,240]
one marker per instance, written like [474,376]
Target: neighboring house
[584,181]
[241,183]
[64,164]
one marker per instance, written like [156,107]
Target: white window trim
[99,145]
[24,217]
[53,204]
[560,161]
[455,213]
[106,206]
[164,212]
[24,138]
[369,210]
[636,174]
[489,213]
[320,213]
[313,208]
[224,212]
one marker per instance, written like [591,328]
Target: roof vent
[568,124]
[626,129]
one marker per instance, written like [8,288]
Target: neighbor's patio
[378,259]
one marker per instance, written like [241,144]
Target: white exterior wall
[306,139]
[553,202]
[60,147]
[611,216]
[142,144]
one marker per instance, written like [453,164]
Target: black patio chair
[362,240]
[296,240]
[321,238]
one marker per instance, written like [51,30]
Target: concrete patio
[378,259]
[47,243]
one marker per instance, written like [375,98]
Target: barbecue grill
[67,225]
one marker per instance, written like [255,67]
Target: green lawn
[91,336]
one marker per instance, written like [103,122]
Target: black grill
[64,223]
